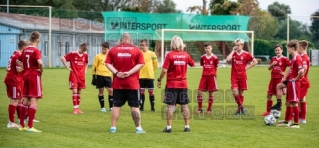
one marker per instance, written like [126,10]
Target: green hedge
[266,47]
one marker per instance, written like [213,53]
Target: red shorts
[272,87]
[14,92]
[240,85]
[32,86]
[208,83]
[77,85]
[304,86]
[293,91]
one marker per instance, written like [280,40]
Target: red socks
[242,99]
[210,103]
[200,102]
[11,111]
[238,100]
[31,114]
[269,104]
[74,98]
[19,109]
[23,113]
[296,114]
[303,109]
[288,114]
[78,98]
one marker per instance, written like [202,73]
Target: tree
[279,10]
[247,7]
[264,25]
[297,30]
[314,28]
[222,7]
[199,9]
[166,6]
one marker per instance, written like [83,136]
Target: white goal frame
[204,31]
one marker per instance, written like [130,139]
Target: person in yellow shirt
[147,74]
[102,77]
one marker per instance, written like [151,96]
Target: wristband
[116,73]
[158,80]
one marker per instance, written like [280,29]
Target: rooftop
[23,21]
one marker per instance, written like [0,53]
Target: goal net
[222,41]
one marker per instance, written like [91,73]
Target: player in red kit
[278,65]
[292,81]
[175,66]
[240,60]
[208,81]
[78,66]
[32,89]
[304,83]
[14,82]
[124,61]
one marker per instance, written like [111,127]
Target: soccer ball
[223,65]
[276,113]
[270,120]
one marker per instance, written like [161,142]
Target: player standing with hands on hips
[240,59]
[175,66]
[292,81]
[32,89]
[78,66]
[124,61]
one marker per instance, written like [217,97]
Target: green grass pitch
[63,129]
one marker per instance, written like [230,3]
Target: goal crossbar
[161,36]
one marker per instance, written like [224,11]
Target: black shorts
[103,81]
[147,83]
[176,96]
[120,96]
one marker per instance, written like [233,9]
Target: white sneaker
[111,109]
[27,120]
[12,125]
[36,121]
[103,110]
[302,121]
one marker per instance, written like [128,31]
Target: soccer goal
[222,41]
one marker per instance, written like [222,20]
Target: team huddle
[132,69]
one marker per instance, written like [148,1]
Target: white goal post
[161,35]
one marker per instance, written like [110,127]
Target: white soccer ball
[223,65]
[270,120]
[275,112]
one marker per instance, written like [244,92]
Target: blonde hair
[177,43]
[239,40]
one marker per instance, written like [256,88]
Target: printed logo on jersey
[124,55]
[179,56]
[179,63]
[280,63]
[241,58]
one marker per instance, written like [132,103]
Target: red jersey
[78,63]
[239,63]
[282,63]
[209,63]
[295,67]
[29,58]
[306,64]
[124,57]
[13,77]
[176,64]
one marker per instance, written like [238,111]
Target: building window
[45,51]
[67,46]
